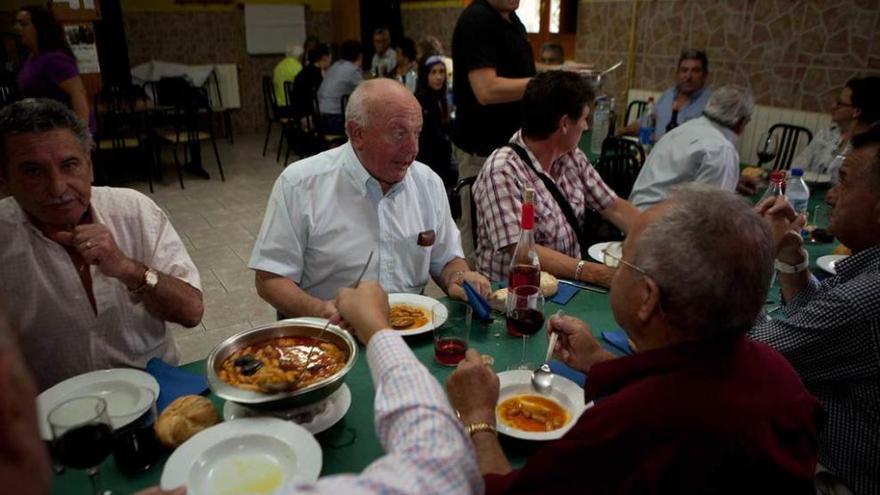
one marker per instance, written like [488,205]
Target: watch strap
[784,267]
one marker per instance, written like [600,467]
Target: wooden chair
[789,140]
[122,130]
[189,120]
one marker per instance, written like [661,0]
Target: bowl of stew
[265,367]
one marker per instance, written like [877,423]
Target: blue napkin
[477,302]
[562,369]
[617,341]
[174,382]
[564,294]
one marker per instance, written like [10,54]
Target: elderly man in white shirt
[327,212]
[700,150]
[90,274]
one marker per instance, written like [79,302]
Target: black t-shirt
[482,38]
[305,87]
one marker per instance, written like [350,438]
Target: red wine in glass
[449,351]
[84,447]
[821,236]
[524,275]
[765,156]
[136,448]
[525,321]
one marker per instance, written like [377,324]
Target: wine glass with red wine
[525,317]
[82,436]
[768,147]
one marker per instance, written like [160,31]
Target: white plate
[828,261]
[337,406]
[564,391]
[246,456]
[425,303]
[120,387]
[595,250]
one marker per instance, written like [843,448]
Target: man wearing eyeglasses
[854,111]
[699,408]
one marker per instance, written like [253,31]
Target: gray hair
[730,104]
[40,115]
[357,108]
[712,256]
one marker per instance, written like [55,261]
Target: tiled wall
[211,37]
[791,53]
[439,22]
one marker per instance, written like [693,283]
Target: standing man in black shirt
[494,62]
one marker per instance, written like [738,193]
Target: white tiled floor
[218,222]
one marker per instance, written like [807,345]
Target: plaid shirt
[831,335]
[498,195]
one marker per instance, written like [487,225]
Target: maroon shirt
[722,416]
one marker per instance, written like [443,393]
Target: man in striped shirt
[831,329]
[555,112]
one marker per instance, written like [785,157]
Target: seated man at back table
[339,80]
[682,102]
[831,329]
[90,274]
[427,449]
[700,408]
[555,112]
[701,150]
[328,211]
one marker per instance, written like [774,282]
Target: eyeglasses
[612,256]
[843,104]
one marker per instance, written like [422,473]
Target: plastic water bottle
[600,126]
[797,192]
[647,123]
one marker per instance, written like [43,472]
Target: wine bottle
[525,268]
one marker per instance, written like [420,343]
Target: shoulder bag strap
[563,203]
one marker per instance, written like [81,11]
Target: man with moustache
[327,212]
[90,274]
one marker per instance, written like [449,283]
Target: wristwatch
[478,427]
[151,279]
[784,267]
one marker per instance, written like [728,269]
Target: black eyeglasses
[843,104]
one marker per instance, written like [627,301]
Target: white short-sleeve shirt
[326,213]
[61,335]
[697,151]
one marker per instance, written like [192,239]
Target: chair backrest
[289,93]
[789,139]
[8,92]
[619,171]
[468,182]
[269,101]
[622,146]
[117,117]
[638,106]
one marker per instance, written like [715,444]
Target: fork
[312,347]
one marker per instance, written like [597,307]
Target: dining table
[351,444]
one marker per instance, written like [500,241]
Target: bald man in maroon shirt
[699,408]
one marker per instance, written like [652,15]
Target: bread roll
[183,418]
[549,284]
[498,300]
[841,249]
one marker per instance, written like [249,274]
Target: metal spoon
[542,377]
[312,347]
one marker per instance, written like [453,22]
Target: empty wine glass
[768,147]
[525,316]
[82,436]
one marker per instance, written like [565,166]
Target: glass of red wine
[525,317]
[82,436]
[768,147]
[818,225]
[135,445]
[452,328]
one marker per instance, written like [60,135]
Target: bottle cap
[797,172]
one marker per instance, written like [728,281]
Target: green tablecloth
[351,444]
